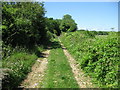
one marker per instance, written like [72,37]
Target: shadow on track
[54,45]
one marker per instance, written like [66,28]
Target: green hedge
[98,56]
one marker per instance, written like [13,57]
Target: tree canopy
[52,25]
[68,24]
[24,22]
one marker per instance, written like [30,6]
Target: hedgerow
[97,55]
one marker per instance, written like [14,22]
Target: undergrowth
[17,64]
[97,55]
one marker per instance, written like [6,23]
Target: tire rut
[35,77]
[82,80]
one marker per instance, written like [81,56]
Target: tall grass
[17,65]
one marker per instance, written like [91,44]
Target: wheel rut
[35,77]
[82,80]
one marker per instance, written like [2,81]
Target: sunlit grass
[59,73]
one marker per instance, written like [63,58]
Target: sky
[99,16]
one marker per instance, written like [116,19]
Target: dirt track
[35,77]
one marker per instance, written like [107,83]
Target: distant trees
[56,26]
[68,24]
[102,33]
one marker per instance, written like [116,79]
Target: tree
[25,23]
[68,24]
[52,25]
[57,23]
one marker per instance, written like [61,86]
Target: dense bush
[52,25]
[23,23]
[98,56]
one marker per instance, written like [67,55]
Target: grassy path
[59,70]
[59,73]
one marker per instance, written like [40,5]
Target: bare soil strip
[82,80]
[35,77]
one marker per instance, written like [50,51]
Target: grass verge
[17,66]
